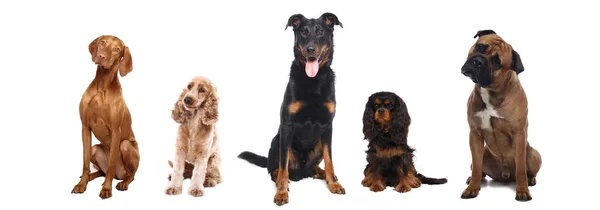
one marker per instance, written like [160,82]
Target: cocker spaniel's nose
[380,111]
[187,100]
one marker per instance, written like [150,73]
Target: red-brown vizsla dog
[103,112]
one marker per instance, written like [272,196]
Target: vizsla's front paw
[122,186]
[281,198]
[470,192]
[105,193]
[196,191]
[336,188]
[173,190]
[79,188]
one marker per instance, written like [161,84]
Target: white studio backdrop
[414,49]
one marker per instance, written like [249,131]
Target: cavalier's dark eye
[201,90]
[189,87]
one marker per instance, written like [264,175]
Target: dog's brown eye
[202,90]
[117,49]
[189,87]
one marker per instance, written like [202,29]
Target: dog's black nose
[478,61]
[380,111]
[472,64]
[187,100]
[310,49]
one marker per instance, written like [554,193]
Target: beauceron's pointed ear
[294,21]
[331,20]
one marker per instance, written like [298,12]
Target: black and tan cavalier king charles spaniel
[390,159]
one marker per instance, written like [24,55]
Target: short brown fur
[104,113]
[506,155]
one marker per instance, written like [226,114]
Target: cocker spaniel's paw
[173,190]
[196,191]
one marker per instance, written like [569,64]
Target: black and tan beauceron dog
[497,116]
[390,159]
[304,136]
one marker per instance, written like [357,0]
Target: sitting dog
[197,154]
[390,159]
[497,116]
[104,113]
[305,133]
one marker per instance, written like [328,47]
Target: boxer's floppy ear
[516,65]
[483,33]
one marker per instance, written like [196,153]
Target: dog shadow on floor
[498,184]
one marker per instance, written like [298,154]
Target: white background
[413,49]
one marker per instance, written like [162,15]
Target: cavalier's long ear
[211,107]
[179,113]
[400,121]
[368,120]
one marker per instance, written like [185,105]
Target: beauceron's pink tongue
[312,67]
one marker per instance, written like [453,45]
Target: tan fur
[330,106]
[197,140]
[507,155]
[295,106]
[104,113]
[388,153]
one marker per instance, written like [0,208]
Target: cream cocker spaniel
[197,149]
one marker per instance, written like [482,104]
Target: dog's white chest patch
[486,114]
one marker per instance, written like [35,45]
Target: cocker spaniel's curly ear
[211,107]
[400,121]
[179,113]
[368,120]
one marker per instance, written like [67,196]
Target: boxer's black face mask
[483,62]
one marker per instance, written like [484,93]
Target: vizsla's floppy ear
[93,47]
[211,107]
[331,20]
[517,64]
[368,120]
[126,64]
[294,21]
